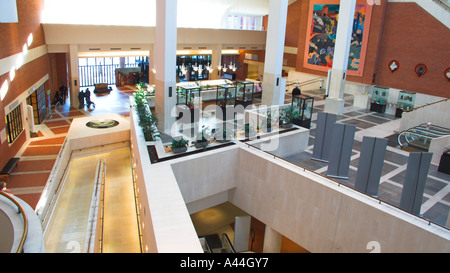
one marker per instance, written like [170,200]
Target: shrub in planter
[226,135]
[249,131]
[288,115]
[179,145]
[147,120]
[203,142]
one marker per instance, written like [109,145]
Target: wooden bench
[7,169]
[102,88]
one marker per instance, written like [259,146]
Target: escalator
[418,138]
[214,244]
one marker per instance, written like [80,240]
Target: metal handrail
[424,132]
[297,82]
[227,239]
[444,4]
[435,127]
[429,104]
[414,133]
[346,186]
[25,221]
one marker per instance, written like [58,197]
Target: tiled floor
[38,155]
[435,205]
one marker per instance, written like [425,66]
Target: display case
[304,105]
[380,97]
[189,98]
[406,101]
[244,94]
[226,97]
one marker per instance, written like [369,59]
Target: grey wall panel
[323,137]
[370,165]
[341,150]
[415,179]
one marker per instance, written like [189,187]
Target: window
[245,22]
[14,124]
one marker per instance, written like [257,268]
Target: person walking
[63,90]
[87,96]
[81,99]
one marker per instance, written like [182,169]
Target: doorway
[37,101]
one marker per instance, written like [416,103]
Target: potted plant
[203,142]
[226,136]
[147,120]
[267,122]
[179,145]
[249,131]
[288,115]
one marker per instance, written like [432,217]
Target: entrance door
[37,100]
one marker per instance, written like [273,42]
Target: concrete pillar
[216,59]
[335,101]
[74,78]
[272,241]
[165,63]
[273,66]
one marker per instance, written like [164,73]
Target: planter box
[179,150]
[201,144]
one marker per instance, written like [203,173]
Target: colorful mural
[323,22]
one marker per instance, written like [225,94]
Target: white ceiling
[142,12]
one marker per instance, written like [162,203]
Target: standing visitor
[81,99]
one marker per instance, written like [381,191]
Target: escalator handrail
[407,131]
[227,239]
[433,125]
[423,133]
[432,129]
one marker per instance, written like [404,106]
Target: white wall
[437,114]
[323,217]
[57,37]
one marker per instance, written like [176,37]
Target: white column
[216,59]
[151,65]
[165,63]
[273,66]
[272,241]
[74,78]
[335,102]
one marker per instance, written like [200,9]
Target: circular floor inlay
[102,124]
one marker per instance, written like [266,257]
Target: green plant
[227,134]
[289,114]
[180,143]
[204,133]
[147,120]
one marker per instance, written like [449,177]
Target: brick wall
[14,36]
[412,36]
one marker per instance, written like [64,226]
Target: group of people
[84,98]
[60,96]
